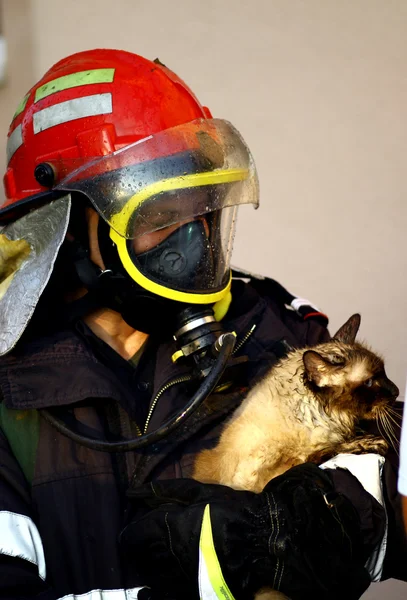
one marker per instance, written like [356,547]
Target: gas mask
[184,259]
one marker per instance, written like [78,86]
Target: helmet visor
[176,175]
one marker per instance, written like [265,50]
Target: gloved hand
[298,536]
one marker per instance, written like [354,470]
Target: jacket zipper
[244,339]
[160,393]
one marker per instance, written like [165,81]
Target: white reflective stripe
[298,302]
[367,468]
[206,591]
[15,140]
[130,594]
[78,108]
[19,537]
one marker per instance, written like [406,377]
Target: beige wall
[16,23]
[319,90]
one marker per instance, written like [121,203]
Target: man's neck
[109,326]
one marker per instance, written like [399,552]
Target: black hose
[207,387]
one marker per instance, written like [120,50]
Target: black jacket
[75,496]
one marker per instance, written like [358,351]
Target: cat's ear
[318,369]
[348,332]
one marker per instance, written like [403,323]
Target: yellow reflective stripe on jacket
[212,585]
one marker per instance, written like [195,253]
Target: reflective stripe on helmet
[70,110]
[212,585]
[15,140]
[67,82]
[21,106]
[20,538]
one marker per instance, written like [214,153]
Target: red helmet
[132,138]
[88,105]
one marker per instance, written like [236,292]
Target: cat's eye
[369,382]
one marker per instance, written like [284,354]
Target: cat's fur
[306,409]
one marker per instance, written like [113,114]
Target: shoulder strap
[272,289]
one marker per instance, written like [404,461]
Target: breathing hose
[206,388]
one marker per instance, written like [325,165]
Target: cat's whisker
[388,435]
[381,420]
[393,422]
[393,410]
[395,440]
[391,417]
[378,421]
[390,427]
[394,414]
[389,430]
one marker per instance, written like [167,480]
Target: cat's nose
[393,390]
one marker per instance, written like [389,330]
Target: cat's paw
[374,444]
[365,445]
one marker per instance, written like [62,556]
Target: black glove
[298,536]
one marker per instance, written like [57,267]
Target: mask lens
[193,257]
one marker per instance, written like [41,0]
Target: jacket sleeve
[22,562]
[298,536]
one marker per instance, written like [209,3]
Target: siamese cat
[306,409]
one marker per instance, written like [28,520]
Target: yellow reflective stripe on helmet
[120,220]
[74,80]
[162,290]
[21,106]
[212,585]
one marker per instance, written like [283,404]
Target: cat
[306,409]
